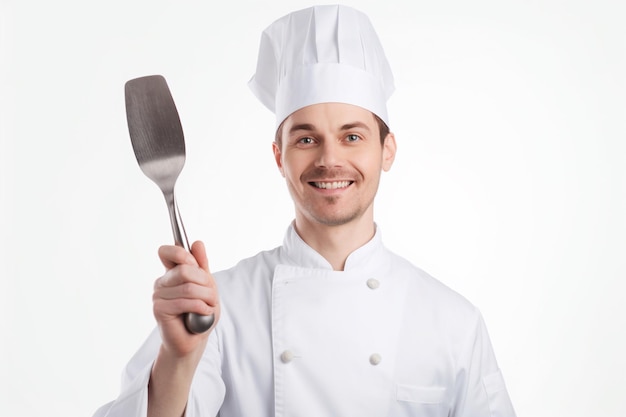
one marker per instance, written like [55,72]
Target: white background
[509,185]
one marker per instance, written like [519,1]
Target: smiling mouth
[333,185]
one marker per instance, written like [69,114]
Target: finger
[188,291]
[169,309]
[182,274]
[199,253]
[172,255]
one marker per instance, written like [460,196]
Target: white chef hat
[322,54]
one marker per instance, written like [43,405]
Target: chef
[331,323]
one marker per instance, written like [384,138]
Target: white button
[375,359]
[373,283]
[287,356]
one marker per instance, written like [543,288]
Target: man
[331,323]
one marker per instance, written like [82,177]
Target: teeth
[332,185]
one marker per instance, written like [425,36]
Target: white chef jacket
[295,338]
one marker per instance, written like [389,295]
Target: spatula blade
[155,130]
[153,121]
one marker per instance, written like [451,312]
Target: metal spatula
[159,145]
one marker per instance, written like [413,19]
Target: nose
[329,155]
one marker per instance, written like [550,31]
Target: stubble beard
[334,219]
[325,215]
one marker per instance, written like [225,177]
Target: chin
[337,219]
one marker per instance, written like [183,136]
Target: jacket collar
[302,255]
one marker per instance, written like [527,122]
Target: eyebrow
[309,127]
[303,126]
[350,126]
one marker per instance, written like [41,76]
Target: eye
[306,140]
[353,138]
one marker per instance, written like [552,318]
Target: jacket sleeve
[133,398]
[207,388]
[480,387]
[205,397]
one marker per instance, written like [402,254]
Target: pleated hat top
[322,54]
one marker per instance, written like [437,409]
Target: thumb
[199,252]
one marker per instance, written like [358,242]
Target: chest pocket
[420,401]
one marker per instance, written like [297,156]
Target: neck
[336,243]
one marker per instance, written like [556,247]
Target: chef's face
[331,157]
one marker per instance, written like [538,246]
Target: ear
[278,157]
[389,151]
